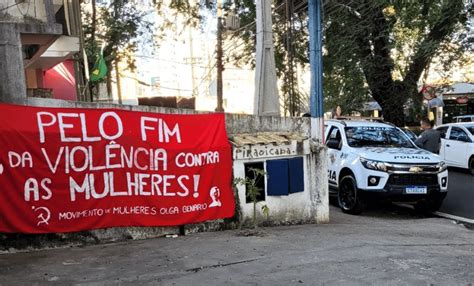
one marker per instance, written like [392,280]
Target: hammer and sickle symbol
[44,216]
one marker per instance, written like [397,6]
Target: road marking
[459,218]
[445,215]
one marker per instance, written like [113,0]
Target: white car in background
[464,118]
[457,145]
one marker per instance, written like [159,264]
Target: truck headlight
[374,165]
[442,166]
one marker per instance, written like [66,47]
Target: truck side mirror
[333,143]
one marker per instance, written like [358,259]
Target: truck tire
[348,197]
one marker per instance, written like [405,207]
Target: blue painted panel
[278,183]
[296,175]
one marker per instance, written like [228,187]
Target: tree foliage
[372,48]
[391,43]
[124,25]
[120,26]
[168,12]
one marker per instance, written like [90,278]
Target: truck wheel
[471,165]
[348,199]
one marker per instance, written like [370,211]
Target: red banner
[68,169]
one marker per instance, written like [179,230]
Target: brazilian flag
[100,69]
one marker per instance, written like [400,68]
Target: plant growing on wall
[253,191]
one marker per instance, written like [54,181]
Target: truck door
[334,144]
[442,148]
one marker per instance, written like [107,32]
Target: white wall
[311,205]
[294,207]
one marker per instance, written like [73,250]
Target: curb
[454,217]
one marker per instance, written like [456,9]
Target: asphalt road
[384,246]
[460,198]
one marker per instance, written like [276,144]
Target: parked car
[464,118]
[457,145]
[374,160]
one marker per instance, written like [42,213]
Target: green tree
[372,48]
[391,43]
[120,26]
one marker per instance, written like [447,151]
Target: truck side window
[442,131]
[333,141]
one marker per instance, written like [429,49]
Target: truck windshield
[471,129]
[376,136]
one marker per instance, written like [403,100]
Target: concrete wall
[312,205]
[309,206]
[12,73]
[237,123]
[21,12]
[12,76]
[294,208]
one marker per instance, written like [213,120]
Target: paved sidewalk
[393,247]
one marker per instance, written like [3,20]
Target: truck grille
[426,168]
[413,179]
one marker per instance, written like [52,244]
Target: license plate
[416,190]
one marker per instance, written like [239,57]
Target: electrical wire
[208,74]
[27,10]
[18,7]
[169,61]
[149,85]
[254,22]
[9,6]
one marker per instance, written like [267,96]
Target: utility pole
[316,66]
[81,67]
[220,67]
[266,101]
[289,76]
[191,52]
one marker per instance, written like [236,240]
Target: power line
[149,85]
[10,6]
[170,61]
[27,9]
[243,27]
[233,44]
[254,22]
[204,78]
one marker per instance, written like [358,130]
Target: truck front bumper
[397,187]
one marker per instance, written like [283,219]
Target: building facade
[40,40]
[458,100]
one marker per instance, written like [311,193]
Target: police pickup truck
[376,160]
